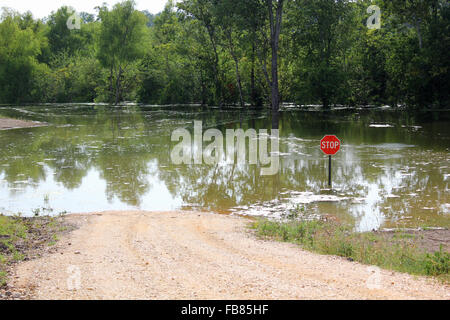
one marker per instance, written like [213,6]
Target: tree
[121,41]
[275,11]
[171,68]
[320,40]
[227,17]
[20,47]
[215,52]
[60,37]
[202,11]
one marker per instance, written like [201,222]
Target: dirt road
[180,255]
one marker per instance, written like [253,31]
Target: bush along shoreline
[403,251]
[23,238]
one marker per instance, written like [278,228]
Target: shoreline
[10,124]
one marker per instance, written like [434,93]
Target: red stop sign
[330,145]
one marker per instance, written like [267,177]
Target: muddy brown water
[393,169]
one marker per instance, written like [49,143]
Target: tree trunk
[211,34]
[203,89]
[275,92]
[219,94]
[275,30]
[111,89]
[326,102]
[252,78]
[118,84]
[275,119]
[419,34]
[238,74]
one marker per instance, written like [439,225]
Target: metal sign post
[329,171]
[330,145]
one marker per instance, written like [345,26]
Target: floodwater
[393,169]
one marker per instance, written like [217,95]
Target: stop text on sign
[330,145]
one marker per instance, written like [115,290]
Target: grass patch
[400,252]
[21,238]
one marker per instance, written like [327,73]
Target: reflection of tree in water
[130,145]
[126,174]
[222,186]
[219,187]
[99,141]
[71,164]
[15,162]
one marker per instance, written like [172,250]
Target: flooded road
[393,169]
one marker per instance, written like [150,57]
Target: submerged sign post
[330,145]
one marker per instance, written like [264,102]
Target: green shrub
[437,263]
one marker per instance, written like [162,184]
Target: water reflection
[393,168]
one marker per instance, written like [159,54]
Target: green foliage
[214,52]
[10,230]
[121,41]
[438,263]
[320,42]
[68,78]
[3,277]
[19,51]
[169,74]
[61,38]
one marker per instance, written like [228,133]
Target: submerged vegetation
[231,52]
[400,252]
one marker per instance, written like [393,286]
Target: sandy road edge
[216,241]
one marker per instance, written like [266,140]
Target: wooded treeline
[217,52]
